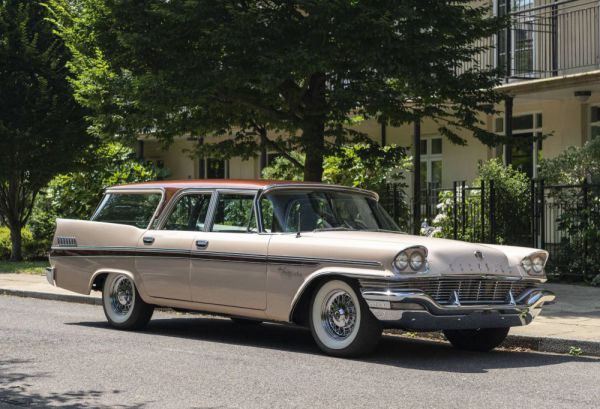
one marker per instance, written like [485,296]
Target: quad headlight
[401,261]
[534,264]
[411,260]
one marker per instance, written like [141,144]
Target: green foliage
[24,267]
[75,195]
[367,166]
[32,248]
[578,221]
[283,169]
[512,206]
[42,128]
[304,68]
[363,165]
[573,165]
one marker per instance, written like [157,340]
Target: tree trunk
[314,143]
[16,240]
[313,131]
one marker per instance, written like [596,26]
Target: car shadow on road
[17,390]
[392,350]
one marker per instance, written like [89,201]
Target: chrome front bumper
[50,275]
[415,310]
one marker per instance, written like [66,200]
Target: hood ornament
[478,254]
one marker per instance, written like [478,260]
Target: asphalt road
[61,354]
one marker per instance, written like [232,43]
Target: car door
[229,260]
[163,259]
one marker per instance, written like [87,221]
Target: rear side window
[134,209]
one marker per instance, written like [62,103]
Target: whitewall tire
[123,306]
[340,320]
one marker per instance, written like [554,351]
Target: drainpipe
[417,177]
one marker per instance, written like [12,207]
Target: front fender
[353,273]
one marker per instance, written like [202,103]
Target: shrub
[32,249]
[512,207]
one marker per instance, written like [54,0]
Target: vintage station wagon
[327,257]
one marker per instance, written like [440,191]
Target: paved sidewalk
[574,321]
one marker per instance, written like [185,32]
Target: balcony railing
[545,39]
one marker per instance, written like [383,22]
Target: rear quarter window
[134,209]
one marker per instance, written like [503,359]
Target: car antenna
[298,227]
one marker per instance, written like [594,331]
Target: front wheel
[341,322]
[482,339]
[123,306]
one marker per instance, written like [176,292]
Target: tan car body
[262,275]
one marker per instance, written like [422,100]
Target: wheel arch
[97,279]
[301,301]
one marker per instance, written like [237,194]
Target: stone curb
[80,299]
[540,344]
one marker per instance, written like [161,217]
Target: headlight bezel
[407,264]
[535,263]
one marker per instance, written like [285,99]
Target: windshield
[134,209]
[301,210]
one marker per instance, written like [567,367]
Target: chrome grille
[469,290]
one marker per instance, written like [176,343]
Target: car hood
[444,256]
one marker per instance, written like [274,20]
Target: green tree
[304,68]
[42,128]
[75,195]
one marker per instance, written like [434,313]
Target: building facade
[551,58]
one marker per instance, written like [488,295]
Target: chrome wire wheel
[338,314]
[119,298]
[335,315]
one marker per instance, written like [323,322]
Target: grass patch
[24,267]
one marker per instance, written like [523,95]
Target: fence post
[542,212]
[534,214]
[492,212]
[483,211]
[455,209]
[463,208]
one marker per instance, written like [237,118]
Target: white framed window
[210,168]
[527,149]
[594,130]
[431,161]
[522,44]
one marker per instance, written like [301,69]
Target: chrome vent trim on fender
[66,241]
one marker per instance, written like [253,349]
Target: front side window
[189,213]
[134,209]
[234,214]
[297,210]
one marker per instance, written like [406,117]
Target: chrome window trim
[221,191]
[172,203]
[319,186]
[291,186]
[134,190]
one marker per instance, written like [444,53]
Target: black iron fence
[562,219]
[545,38]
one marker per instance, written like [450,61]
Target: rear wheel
[482,339]
[123,306]
[341,322]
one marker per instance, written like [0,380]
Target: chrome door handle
[201,244]
[148,240]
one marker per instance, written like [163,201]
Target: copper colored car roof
[212,183]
